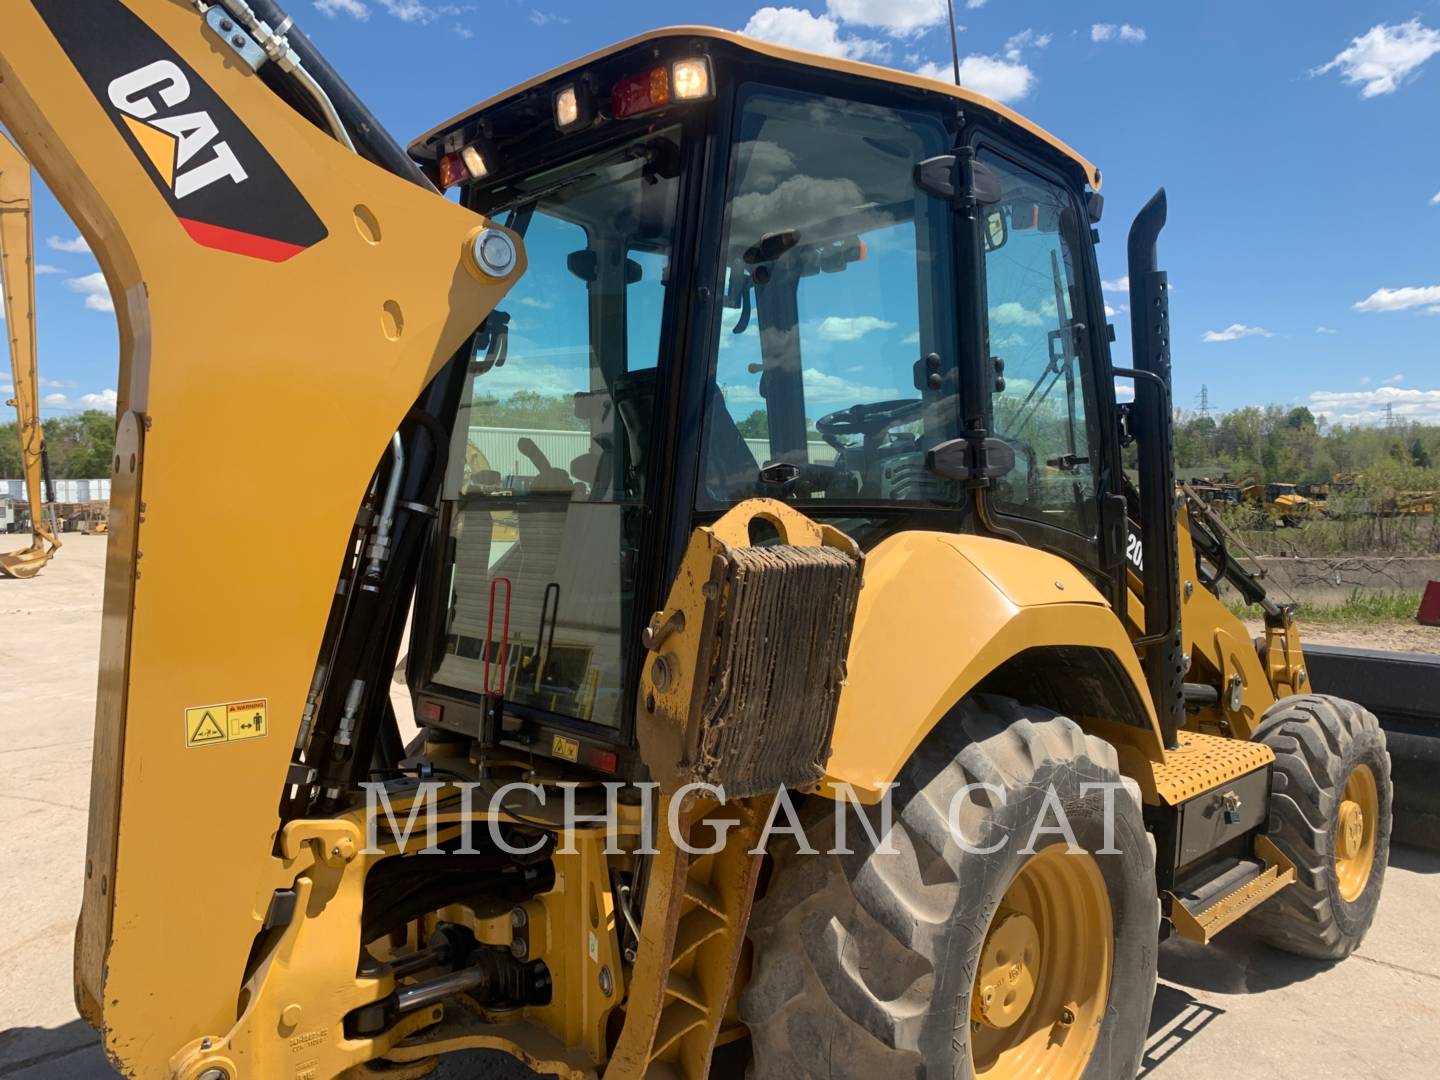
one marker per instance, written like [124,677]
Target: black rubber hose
[370,137]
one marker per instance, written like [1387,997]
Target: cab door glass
[1035,309]
[838,285]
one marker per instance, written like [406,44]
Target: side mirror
[945,178]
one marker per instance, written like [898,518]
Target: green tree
[756,425]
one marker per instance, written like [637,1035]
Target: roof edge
[780,52]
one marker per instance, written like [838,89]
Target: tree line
[80,447]
[1292,446]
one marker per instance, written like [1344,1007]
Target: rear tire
[865,963]
[1324,747]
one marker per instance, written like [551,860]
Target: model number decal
[1135,553]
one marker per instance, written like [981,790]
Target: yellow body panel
[893,76]
[227,606]
[937,614]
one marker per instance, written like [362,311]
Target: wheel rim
[1355,832]
[1043,977]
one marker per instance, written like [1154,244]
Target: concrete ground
[1237,1007]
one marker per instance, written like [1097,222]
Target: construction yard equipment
[934,624]
[17,271]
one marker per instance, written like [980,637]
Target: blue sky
[1297,141]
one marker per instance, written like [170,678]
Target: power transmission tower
[1204,401]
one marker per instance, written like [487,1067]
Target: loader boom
[17,272]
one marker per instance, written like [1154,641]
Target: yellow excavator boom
[17,271]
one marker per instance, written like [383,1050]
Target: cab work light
[684,80]
[461,166]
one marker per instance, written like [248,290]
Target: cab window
[1035,305]
[838,286]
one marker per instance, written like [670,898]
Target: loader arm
[17,272]
[282,306]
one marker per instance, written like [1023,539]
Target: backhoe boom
[17,271]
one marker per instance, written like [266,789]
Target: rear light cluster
[574,105]
[636,95]
[462,166]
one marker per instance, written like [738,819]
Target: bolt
[226,25]
[238,41]
[205,1044]
[1067,1016]
[519,948]
[607,982]
[214,1074]
[518,918]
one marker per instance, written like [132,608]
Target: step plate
[1204,925]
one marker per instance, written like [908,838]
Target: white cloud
[462,32]
[892,16]
[76,246]
[410,11]
[853,328]
[821,388]
[1326,330]
[1384,57]
[1110,312]
[104,401]
[1369,406]
[973,4]
[1435,199]
[94,289]
[536,302]
[1410,296]
[1235,331]
[1121,284]
[46,268]
[1012,313]
[1026,39]
[1134,35]
[545,18]
[989,75]
[354,8]
[1394,380]
[58,384]
[799,29]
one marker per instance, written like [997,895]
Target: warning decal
[567,749]
[234,721]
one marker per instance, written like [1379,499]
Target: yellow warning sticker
[231,721]
[568,749]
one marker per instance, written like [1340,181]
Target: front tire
[1330,814]
[938,961]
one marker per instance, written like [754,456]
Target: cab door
[1042,315]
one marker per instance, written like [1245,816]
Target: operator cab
[740,284]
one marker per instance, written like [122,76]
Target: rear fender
[941,612]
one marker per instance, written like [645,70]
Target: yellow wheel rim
[1355,832]
[1043,977]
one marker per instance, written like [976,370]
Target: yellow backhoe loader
[17,274]
[811,685]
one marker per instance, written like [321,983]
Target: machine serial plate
[228,722]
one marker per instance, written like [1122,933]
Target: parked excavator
[830,697]
[17,274]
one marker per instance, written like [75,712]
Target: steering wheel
[867,418]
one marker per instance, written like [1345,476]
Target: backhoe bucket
[27,562]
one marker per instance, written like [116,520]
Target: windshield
[549,466]
[834,365]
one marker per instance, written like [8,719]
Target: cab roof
[422,148]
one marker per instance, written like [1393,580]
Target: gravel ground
[1261,1013]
